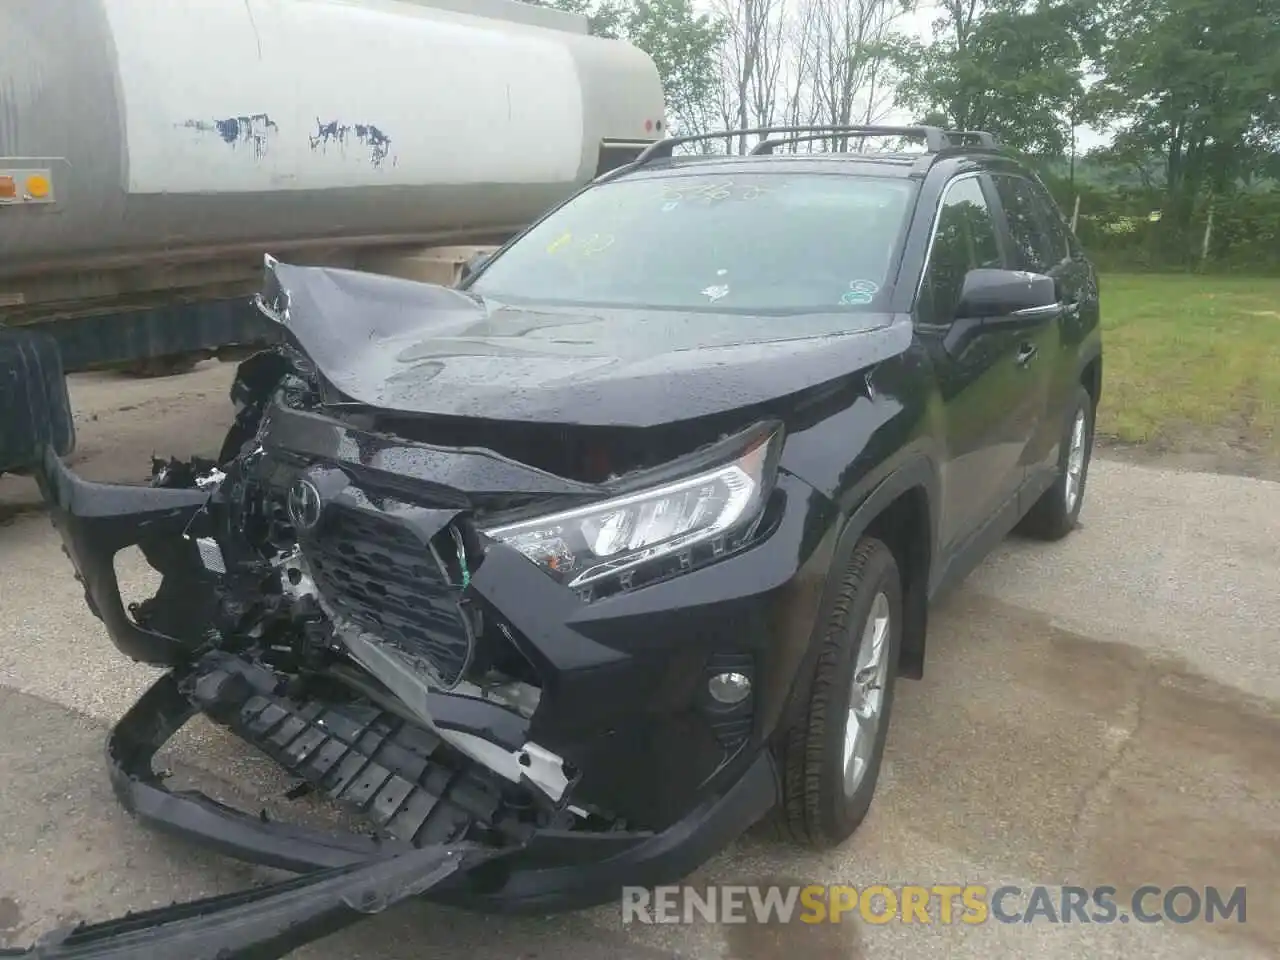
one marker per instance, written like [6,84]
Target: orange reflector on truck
[38,186]
[23,186]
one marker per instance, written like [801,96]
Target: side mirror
[33,397]
[472,267]
[1005,293]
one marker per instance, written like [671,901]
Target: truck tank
[162,147]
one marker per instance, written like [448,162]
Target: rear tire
[830,775]
[1057,511]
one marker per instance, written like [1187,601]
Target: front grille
[375,571]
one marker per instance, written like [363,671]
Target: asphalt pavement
[1103,711]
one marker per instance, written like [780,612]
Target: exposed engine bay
[390,628]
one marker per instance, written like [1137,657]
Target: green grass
[1189,359]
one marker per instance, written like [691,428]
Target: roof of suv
[659,159]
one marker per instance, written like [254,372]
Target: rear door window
[1054,223]
[1034,246]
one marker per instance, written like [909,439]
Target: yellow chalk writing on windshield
[596,243]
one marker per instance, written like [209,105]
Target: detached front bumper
[416,796]
[98,520]
[423,811]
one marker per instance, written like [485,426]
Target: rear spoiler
[265,923]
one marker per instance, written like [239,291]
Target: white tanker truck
[150,153]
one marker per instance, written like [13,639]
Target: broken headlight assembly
[655,532]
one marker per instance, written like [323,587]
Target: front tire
[1057,511]
[831,758]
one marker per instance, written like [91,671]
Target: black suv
[570,574]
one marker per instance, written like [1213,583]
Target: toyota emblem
[304,504]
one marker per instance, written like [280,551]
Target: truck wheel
[1055,514]
[831,758]
[170,365]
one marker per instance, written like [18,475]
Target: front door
[981,377]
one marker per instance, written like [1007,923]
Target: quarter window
[965,240]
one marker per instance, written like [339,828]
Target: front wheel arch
[909,490]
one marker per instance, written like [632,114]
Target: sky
[920,24]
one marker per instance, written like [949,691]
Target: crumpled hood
[421,348]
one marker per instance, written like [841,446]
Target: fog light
[729,687]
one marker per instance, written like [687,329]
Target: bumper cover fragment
[372,763]
[544,870]
[261,924]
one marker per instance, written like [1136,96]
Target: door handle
[1026,353]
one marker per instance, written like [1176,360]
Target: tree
[682,42]
[1194,82]
[854,60]
[1010,67]
[750,63]
[799,105]
[605,18]
[684,45]
[791,62]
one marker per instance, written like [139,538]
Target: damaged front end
[450,639]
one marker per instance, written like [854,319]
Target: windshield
[752,243]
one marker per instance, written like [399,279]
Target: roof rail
[935,140]
[984,139]
[765,147]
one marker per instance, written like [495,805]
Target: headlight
[671,526]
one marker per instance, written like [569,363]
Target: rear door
[976,364]
[1040,243]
